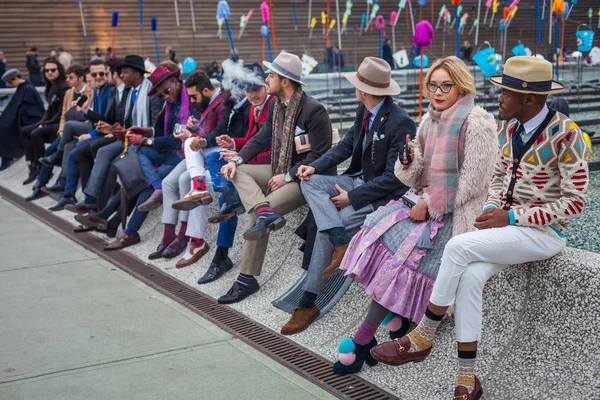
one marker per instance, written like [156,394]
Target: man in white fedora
[299,130]
[341,203]
[539,184]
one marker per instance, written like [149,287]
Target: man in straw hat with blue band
[341,203]
[299,131]
[539,184]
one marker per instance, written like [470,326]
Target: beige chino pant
[251,181]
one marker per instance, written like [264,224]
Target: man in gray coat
[299,131]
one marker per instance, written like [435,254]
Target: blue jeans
[46,172]
[73,168]
[226,229]
[163,152]
[138,217]
[214,166]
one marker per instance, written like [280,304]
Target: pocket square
[298,131]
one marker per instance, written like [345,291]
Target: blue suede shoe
[352,356]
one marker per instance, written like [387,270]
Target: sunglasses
[444,87]
[50,70]
[164,93]
[100,74]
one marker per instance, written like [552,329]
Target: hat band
[285,72]
[518,84]
[371,83]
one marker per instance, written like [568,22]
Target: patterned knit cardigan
[551,180]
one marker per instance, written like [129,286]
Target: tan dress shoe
[193,199]
[336,261]
[192,255]
[301,319]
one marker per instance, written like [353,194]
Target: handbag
[130,172]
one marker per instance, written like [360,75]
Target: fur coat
[480,153]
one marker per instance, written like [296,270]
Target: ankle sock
[263,210]
[168,234]
[244,279]
[157,185]
[182,229]
[198,183]
[339,236]
[90,200]
[307,300]
[195,242]
[466,369]
[364,334]
[422,337]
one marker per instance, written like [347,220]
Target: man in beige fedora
[539,184]
[299,130]
[341,203]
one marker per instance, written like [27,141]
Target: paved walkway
[73,326]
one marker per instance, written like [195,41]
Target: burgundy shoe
[156,254]
[193,199]
[174,249]
[83,228]
[81,208]
[461,392]
[395,352]
[123,241]
[154,201]
[92,221]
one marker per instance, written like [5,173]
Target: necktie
[134,97]
[256,112]
[517,139]
[366,119]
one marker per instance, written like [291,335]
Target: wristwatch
[148,142]
[288,178]
[237,160]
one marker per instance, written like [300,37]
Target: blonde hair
[458,71]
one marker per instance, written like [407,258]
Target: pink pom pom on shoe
[347,358]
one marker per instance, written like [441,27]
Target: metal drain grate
[287,352]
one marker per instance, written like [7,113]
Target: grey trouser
[104,159]
[175,186]
[71,131]
[317,191]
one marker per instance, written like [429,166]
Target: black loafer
[215,271]
[264,226]
[226,212]
[63,202]
[58,187]
[53,160]
[238,293]
[37,194]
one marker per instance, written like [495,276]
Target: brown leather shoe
[81,208]
[301,319]
[395,352]
[192,255]
[193,199]
[123,241]
[175,248]
[336,261]
[461,392]
[92,221]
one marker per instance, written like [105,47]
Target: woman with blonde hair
[396,255]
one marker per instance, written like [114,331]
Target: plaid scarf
[283,138]
[443,153]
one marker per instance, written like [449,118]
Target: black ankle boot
[34,171]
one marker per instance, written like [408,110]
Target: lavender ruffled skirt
[383,257]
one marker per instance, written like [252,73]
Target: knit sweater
[550,181]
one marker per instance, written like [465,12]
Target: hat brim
[556,87]
[278,72]
[392,90]
[131,66]
[175,73]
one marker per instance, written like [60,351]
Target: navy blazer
[385,140]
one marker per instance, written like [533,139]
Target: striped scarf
[182,110]
[443,153]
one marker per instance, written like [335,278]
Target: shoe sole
[149,207]
[189,205]
[371,362]
[272,227]
[221,218]
[91,224]
[331,273]
[395,364]
[80,212]
[305,328]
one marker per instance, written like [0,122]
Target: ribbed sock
[198,183]
[157,185]
[244,279]
[364,334]
[307,300]
[466,369]
[422,337]
[182,229]
[196,242]
[168,234]
[263,210]
[339,236]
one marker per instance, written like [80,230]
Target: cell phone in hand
[179,127]
[82,100]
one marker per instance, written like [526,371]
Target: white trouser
[472,258]
[175,186]
[196,166]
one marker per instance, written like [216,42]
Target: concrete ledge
[540,320]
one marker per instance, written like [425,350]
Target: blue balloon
[264,30]
[189,65]
[422,2]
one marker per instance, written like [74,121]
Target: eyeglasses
[444,87]
[50,70]
[100,74]
[164,93]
